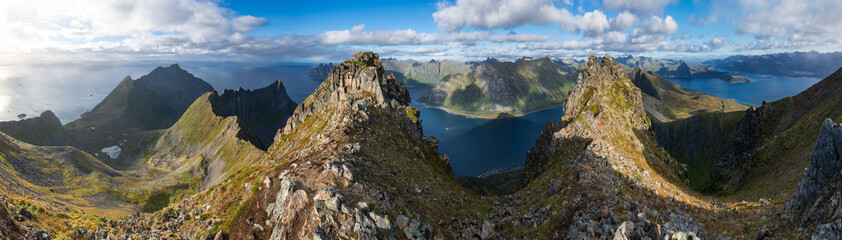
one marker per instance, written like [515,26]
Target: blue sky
[316,31]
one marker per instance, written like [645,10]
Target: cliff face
[263,111]
[504,89]
[755,148]
[44,130]
[321,71]
[818,195]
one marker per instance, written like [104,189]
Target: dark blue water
[767,88]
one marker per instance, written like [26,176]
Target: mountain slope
[154,101]
[263,111]
[778,138]
[44,130]
[412,73]
[504,89]
[666,102]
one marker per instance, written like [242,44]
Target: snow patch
[113,151]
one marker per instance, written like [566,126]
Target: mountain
[665,101]
[682,70]
[44,130]
[154,101]
[504,89]
[602,167]
[413,73]
[756,148]
[263,111]
[321,71]
[681,118]
[813,64]
[645,63]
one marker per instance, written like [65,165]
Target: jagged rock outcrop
[335,158]
[504,89]
[817,202]
[603,144]
[263,111]
[44,130]
[320,72]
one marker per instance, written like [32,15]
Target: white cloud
[623,21]
[656,25]
[718,42]
[471,37]
[490,14]
[380,37]
[692,19]
[791,23]
[144,25]
[639,7]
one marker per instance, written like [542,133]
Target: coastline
[498,171]
[489,117]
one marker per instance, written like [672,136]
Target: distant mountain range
[414,73]
[504,88]
[812,64]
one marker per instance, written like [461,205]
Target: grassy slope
[789,140]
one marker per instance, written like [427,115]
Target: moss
[412,113]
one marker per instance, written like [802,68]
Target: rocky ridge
[321,71]
[601,143]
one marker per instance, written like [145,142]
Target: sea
[475,146]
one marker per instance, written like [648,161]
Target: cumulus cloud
[639,7]
[623,21]
[791,23]
[490,14]
[357,36]
[144,25]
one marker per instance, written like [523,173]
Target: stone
[488,231]
[42,235]
[25,213]
[220,236]
[402,221]
[832,230]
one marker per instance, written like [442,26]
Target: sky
[465,30]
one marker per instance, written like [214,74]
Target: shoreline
[498,171]
[484,117]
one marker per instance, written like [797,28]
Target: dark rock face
[825,165]
[8,227]
[320,72]
[262,111]
[44,130]
[539,154]
[642,81]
